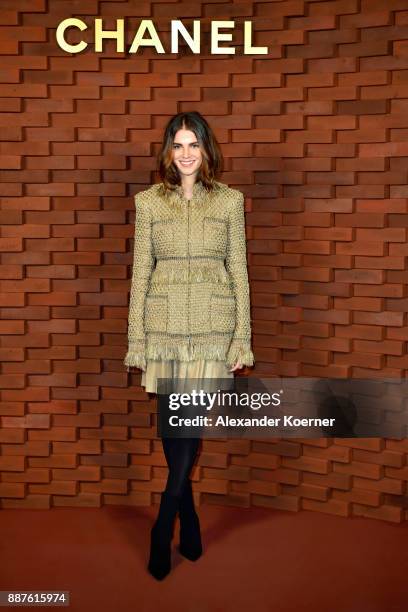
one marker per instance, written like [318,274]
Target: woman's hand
[237,366]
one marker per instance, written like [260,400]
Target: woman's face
[187,156]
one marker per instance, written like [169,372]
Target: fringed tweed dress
[189,309]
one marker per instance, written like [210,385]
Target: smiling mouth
[190,163]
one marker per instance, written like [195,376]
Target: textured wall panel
[316,136]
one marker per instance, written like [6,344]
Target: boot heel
[160,556]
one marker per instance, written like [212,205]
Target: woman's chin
[188,170]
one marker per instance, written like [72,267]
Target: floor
[256,560]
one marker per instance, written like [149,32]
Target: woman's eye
[195,145]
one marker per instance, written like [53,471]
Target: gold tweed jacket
[189,296]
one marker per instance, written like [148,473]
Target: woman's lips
[187,163]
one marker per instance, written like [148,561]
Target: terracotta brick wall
[315,134]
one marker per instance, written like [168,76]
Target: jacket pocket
[215,235]
[163,237]
[156,307]
[222,313]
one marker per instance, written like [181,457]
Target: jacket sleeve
[236,264]
[143,261]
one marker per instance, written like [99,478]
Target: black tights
[180,454]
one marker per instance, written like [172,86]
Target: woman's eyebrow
[195,142]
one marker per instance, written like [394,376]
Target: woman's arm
[236,263]
[143,261]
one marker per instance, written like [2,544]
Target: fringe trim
[240,351]
[197,275]
[165,349]
[184,351]
[136,355]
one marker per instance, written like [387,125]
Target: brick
[387,290]
[333,452]
[384,263]
[330,316]
[385,485]
[332,506]
[30,501]
[359,303]
[382,235]
[395,333]
[365,332]
[303,328]
[233,472]
[278,341]
[307,491]
[392,205]
[339,345]
[134,498]
[387,347]
[331,261]
[334,205]
[374,277]
[385,457]
[260,487]
[360,359]
[279,502]
[359,496]
[333,480]
[235,499]
[384,512]
[396,305]
[330,371]
[307,356]
[330,233]
[257,460]
[308,246]
[358,468]
[12,490]
[360,220]
[307,301]
[380,318]
[330,289]
[54,488]
[214,486]
[360,248]
[308,274]
[214,460]
[307,464]
[281,475]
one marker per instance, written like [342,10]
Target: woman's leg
[180,454]
[161,534]
[190,535]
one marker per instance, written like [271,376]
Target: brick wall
[316,136]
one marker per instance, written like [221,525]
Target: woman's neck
[188,186]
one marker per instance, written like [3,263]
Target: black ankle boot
[161,535]
[190,536]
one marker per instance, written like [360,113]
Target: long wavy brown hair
[212,161]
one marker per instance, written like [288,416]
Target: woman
[189,303]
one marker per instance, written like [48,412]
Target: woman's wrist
[240,351]
[136,354]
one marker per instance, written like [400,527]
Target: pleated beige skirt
[183,376]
